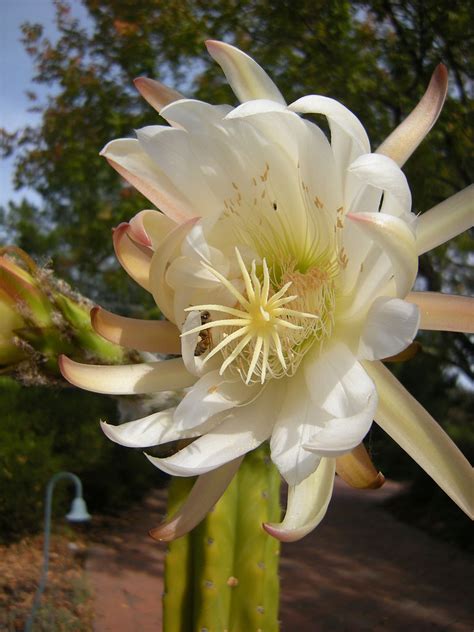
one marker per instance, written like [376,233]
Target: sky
[16,74]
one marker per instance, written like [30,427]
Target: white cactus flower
[283,263]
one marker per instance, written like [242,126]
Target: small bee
[205,336]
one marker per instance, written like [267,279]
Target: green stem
[224,574]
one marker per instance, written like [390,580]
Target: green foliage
[43,431]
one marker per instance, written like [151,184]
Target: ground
[66,605]
[361,570]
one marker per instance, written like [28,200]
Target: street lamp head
[78,511]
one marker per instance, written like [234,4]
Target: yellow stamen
[262,323]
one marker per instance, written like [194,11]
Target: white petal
[242,430]
[133,379]
[246,78]
[307,504]
[446,220]
[413,428]
[210,395]
[444,312]
[142,433]
[205,493]
[348,137]
[383,173]
[258,106]
[373,277]
[337,113]
[193,115]
[323,182]
[342,435]
[128,158]
[403,141]
[196,245]
[153,430]
[176,155]
[184,273]
[337,382]
[390,327]
[160,289]
[347,397]
[295,424]
[397,240]
[357,245]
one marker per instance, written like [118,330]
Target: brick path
[361,570]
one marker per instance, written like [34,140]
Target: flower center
[268,331]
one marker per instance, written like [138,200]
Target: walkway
[361,570]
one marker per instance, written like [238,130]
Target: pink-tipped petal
[205,493]
[137,231]
[307,504]
[157,94]
[413,428]
[161,291]
[445,220]
[133,379]
[134,259]
[149,228]
[127,157]
[396,239]
[444,312]
[403,141]
[154,336]
[247,79]
[357,469]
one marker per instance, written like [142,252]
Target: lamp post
[78,513]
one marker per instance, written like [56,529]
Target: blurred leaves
[45,430]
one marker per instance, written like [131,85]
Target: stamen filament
[238,349]
[225,341]
[256,354]
[246,276]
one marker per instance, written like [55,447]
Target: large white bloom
[283,263]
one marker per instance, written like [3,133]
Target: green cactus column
[224,574]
